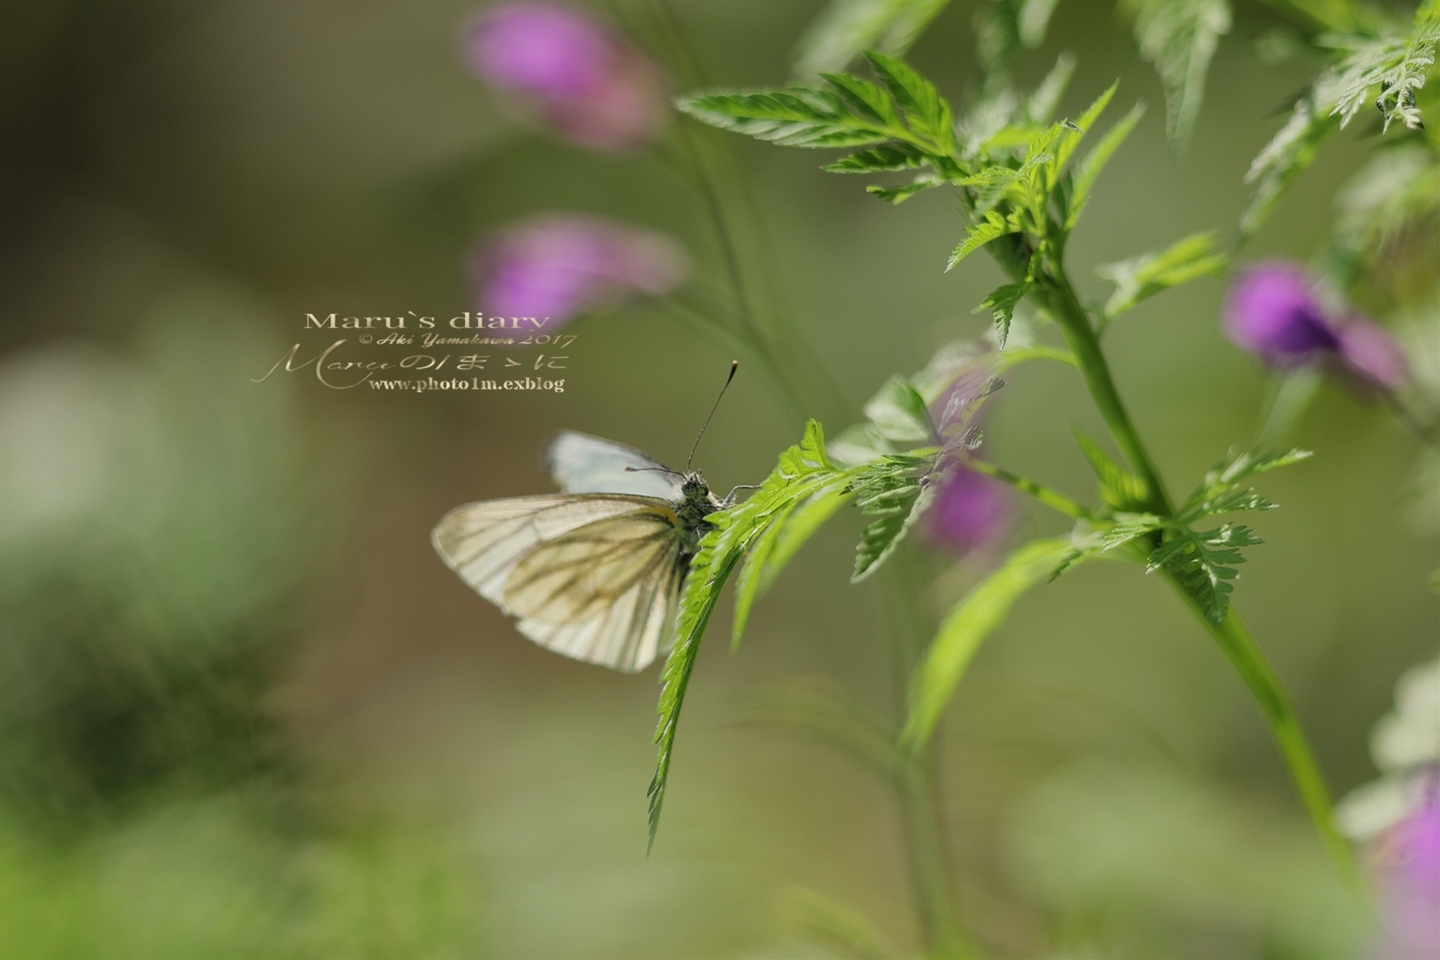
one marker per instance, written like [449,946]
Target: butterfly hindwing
[591,576]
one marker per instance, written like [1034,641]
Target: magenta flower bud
[970,512]
[1372,356]
[561,265]
[1272,310]
[1409,886]
[582,79]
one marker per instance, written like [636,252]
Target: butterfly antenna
[734,365]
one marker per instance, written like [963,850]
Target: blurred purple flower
[585,81]
[970,512]
[561,265]
[1275,311]
[1409,887]
[1369,353]
[1272,310]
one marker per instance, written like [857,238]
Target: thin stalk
[1236,642]
[916,781]
[1265,686]
[1051,498]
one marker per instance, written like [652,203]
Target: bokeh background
[244,708]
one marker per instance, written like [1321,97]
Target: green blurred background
[245,710]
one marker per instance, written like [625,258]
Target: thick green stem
[1236,642]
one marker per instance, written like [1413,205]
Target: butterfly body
[593,572]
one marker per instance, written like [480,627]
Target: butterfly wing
[595,577]
[581,463]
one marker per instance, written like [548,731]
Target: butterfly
[593,572]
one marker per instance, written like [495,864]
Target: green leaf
[1120,489]
[895,491]
[888,157]
[991,228]
[1205,564]
[846,28]
[1180,37]
[1087,171]
[925,110]
[779,541]
[800,473]
[899,413]
[1144,276]
[1399,64]
[795,117]
[966,626]
[1283,159]
[900,194]
[1002,303]
[709,570]
[1226,476]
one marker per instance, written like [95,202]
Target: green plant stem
[1235,641]
[916,779]
[1051,498]
[1255,669]
[1074,322]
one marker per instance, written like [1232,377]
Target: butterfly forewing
[592,576]
[581,463]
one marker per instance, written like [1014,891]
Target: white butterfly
[594,572]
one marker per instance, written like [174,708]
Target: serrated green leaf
[801,471]
[1225,477]
[884,158]
[1140,278]
[1204,562]
[795,117]
[1002,303]
[1180,37]
[895,491]
[865,100]
[708,572]
[900,194]
[925,110]
[1120,489]
[1087,171]
[966,626]
[1398,63]
[991,228]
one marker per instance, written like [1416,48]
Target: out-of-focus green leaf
[966,626]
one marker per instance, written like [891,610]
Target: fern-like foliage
[1396,62]
[894,490]
[1140,278]
[1204,561]
[902,121]
[1180,37]
[1393,64]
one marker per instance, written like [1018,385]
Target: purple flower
[970,512]
[582,79]
[1272,310]
[1409,886]
[561,265]
[1372,356]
